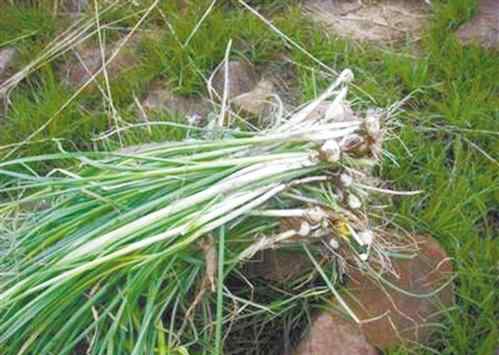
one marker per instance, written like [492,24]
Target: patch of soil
[279,265]
[89,60]
[283,76]
[161,98]
[483,29]
[7,58]
[247,91]
[403,308]
[74,7]
[490,222]
[384,21]
[334,335]
[241,78]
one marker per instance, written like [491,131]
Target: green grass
[26,25]
[186,59]
[40,100]
[454,104]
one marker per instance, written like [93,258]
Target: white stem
[265,243]
[226,86]
[298,212]
[345,76]
[221,210]
[387,191]
[198,198]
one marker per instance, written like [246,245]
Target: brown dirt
[88,60]
[7,58]
[246,91]
[333,335]
[373,21]
[242,78]
[389,317]
[279,265]
[161,98]
[7,55]
[483,29]
[395,317]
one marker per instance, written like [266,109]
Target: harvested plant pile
[110,260]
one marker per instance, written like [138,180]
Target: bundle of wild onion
[109,264]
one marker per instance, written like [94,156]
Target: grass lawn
[449,123]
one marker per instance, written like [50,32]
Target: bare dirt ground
[373,21]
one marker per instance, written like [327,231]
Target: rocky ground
[438,59]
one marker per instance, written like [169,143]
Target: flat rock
[246,92]
[255,101]
[373,21]
[483,29]
[404,317]
[74,7]
[333,335]
[88,60]
[7,58]
[391,317]
[161,98]
[284,79]
[241,78]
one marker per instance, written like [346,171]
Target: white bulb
[334,243]
[335,112]
[366,237]
[316,214]
[346,75]
[346,180]
[304,229]
[353,202]
[373,125]
[332,151]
